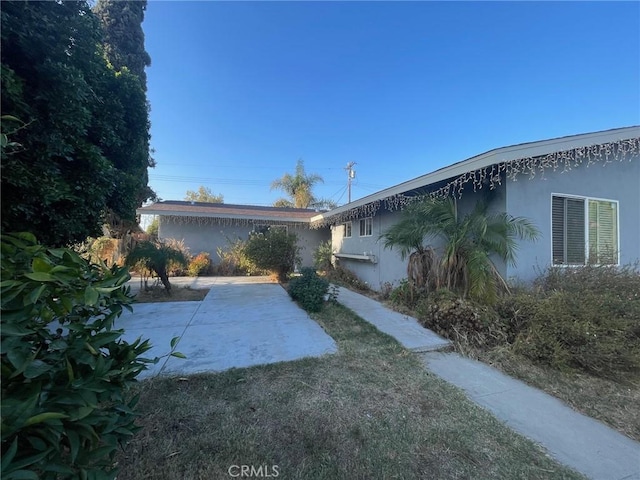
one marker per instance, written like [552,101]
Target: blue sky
[239,91]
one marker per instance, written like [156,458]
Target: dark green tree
[82,124]
[123,48]
[123,35]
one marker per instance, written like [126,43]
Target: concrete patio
[243,321]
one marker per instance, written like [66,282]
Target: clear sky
[239,91]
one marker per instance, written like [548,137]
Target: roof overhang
[501,156]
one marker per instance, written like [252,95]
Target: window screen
[366,227]
[571,235]
[603,232]
[347,230]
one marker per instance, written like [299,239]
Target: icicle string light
[229,222]
[492,176]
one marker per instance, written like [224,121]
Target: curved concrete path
[243,321]
[578,441]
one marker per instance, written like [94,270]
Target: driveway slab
[240,323]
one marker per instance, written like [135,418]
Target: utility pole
[351,174]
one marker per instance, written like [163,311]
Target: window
[584,230]
[366,227]
[347,230]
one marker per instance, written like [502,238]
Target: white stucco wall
[207,237]
[531,198]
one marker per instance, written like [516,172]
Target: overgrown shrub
[322,256]
[178,268]
[460,320]
[309,289]
[275,251]
[66,374]
[200,265]
[346,277]
[405,294]
[234,261]
[585,319]
[595,332]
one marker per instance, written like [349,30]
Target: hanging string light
[492,176]
[228,222]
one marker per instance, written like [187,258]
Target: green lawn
[369,412]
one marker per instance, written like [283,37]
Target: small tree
[204,195]
[156,257]
[464,264]
[275,251]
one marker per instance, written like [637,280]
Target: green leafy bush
[275,251]
[309,289]
[200,265]
[66,374]
[322,256]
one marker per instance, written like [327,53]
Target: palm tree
[299,188]
[155,257]
[464,262]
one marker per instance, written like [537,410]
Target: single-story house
[581,191]
[205,227]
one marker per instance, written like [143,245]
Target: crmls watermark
[250,471]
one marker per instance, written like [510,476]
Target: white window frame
[367,221]
[586,228]
[348,230]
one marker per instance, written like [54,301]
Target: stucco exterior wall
[389,267]
[208,237]
[531,198]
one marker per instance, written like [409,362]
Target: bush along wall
[66,374]
[309,290]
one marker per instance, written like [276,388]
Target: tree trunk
[164,278]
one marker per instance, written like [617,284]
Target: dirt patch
[178,294]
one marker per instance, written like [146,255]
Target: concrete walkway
[403,328]
[243,321]
[573,439]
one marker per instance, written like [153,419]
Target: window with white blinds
[584,231]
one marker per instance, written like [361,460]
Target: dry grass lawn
[370,411]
